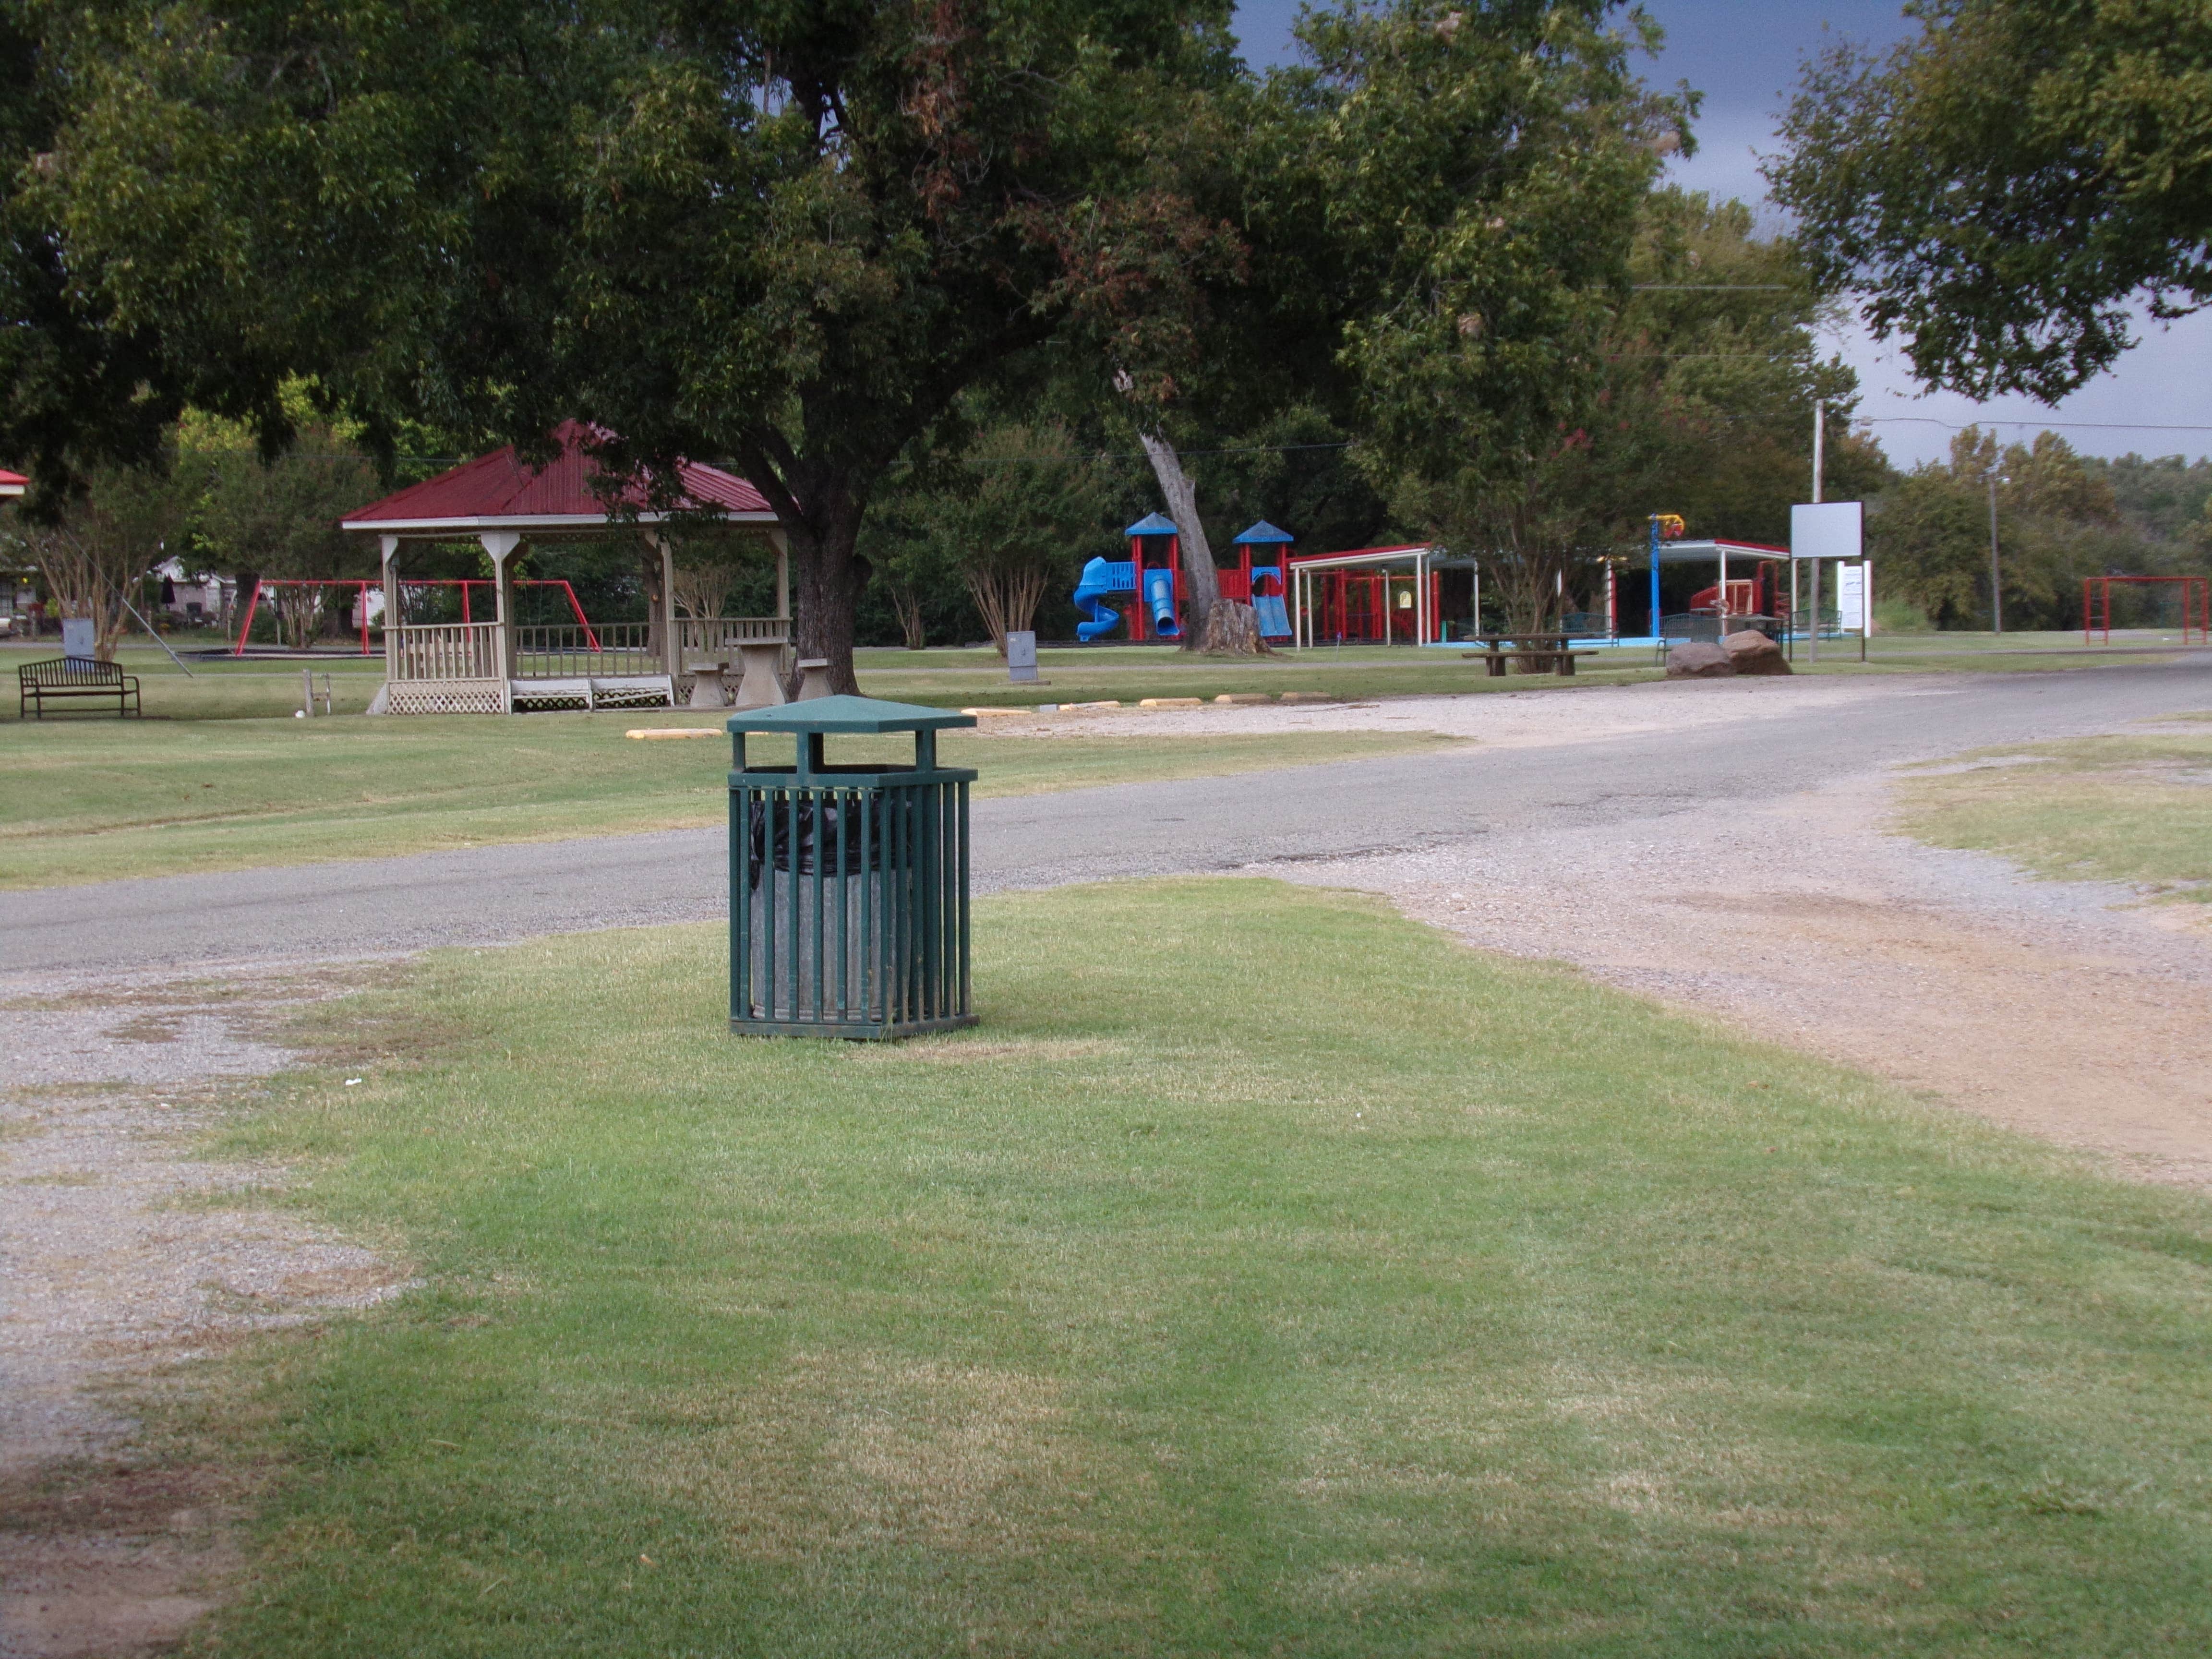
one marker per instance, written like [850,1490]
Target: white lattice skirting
[527,696]
[445,696]
[625,691]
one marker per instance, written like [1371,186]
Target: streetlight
[1997,590]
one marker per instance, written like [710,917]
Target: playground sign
[1850,598]
[80,637]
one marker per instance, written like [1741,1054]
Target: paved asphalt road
[488,894]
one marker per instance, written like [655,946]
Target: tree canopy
[2000,188]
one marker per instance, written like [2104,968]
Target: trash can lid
[858,715]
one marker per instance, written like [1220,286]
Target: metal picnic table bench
[73,679]
[1542,651]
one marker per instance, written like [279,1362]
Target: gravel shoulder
[125,1260]
[2070,1010]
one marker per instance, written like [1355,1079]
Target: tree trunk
[828,574]
[1214,626]
[906,601]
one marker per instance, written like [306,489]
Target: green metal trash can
[848,883]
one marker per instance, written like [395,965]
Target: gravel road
[1631,752]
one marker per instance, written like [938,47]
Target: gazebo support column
[389,545]
[500,545]
[672,648]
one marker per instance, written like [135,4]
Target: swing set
[2196,605]
[361,601]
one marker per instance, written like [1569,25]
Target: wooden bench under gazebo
[499,667]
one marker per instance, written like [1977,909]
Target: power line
[2085,426]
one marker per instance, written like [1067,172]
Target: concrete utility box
[848,884]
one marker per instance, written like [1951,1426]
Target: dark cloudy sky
[1744,57]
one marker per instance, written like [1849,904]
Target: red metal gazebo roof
[497,491]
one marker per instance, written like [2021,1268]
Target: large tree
[78,389]
[1707,370]
[788,235]
[2003,188]
[1433,210]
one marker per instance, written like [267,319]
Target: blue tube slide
[1159,599]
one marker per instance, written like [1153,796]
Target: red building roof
[13,484]
[497,489]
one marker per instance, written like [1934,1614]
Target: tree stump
[1232,630]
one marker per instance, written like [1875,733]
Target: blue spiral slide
[1103,576]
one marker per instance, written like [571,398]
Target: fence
[571,651]
[445,651]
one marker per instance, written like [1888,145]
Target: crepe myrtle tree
[783,235]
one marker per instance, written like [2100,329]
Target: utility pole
[1819,458]
[1997,590]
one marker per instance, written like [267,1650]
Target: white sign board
[1021,657]
[80,636]
[1850,598]
[1828,530]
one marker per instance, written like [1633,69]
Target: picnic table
[1552,653]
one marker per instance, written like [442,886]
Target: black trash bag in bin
[804,833]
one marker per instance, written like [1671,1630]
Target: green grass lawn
[2122,807]
[1265,1275]
[95,800]
[953,677]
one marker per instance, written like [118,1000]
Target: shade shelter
[1374,594]
[496,666]
[1745,594]
[12,485]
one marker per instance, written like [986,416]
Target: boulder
[1698,660]
[1754,652]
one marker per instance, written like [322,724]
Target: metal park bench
[69,679]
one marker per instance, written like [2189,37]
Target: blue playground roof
[1152,524]
[1263,531]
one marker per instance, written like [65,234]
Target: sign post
[1826,530]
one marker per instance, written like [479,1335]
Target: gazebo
[496,667]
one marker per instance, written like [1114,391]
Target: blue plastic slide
[1101,577]
[1159,599]
[1275,621]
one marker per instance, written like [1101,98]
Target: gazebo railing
[719,635]
[446,651]
[469,651]
[573,651]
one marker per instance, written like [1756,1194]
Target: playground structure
[2196,605]
[1153,577]
[498,666]
[1369,596]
